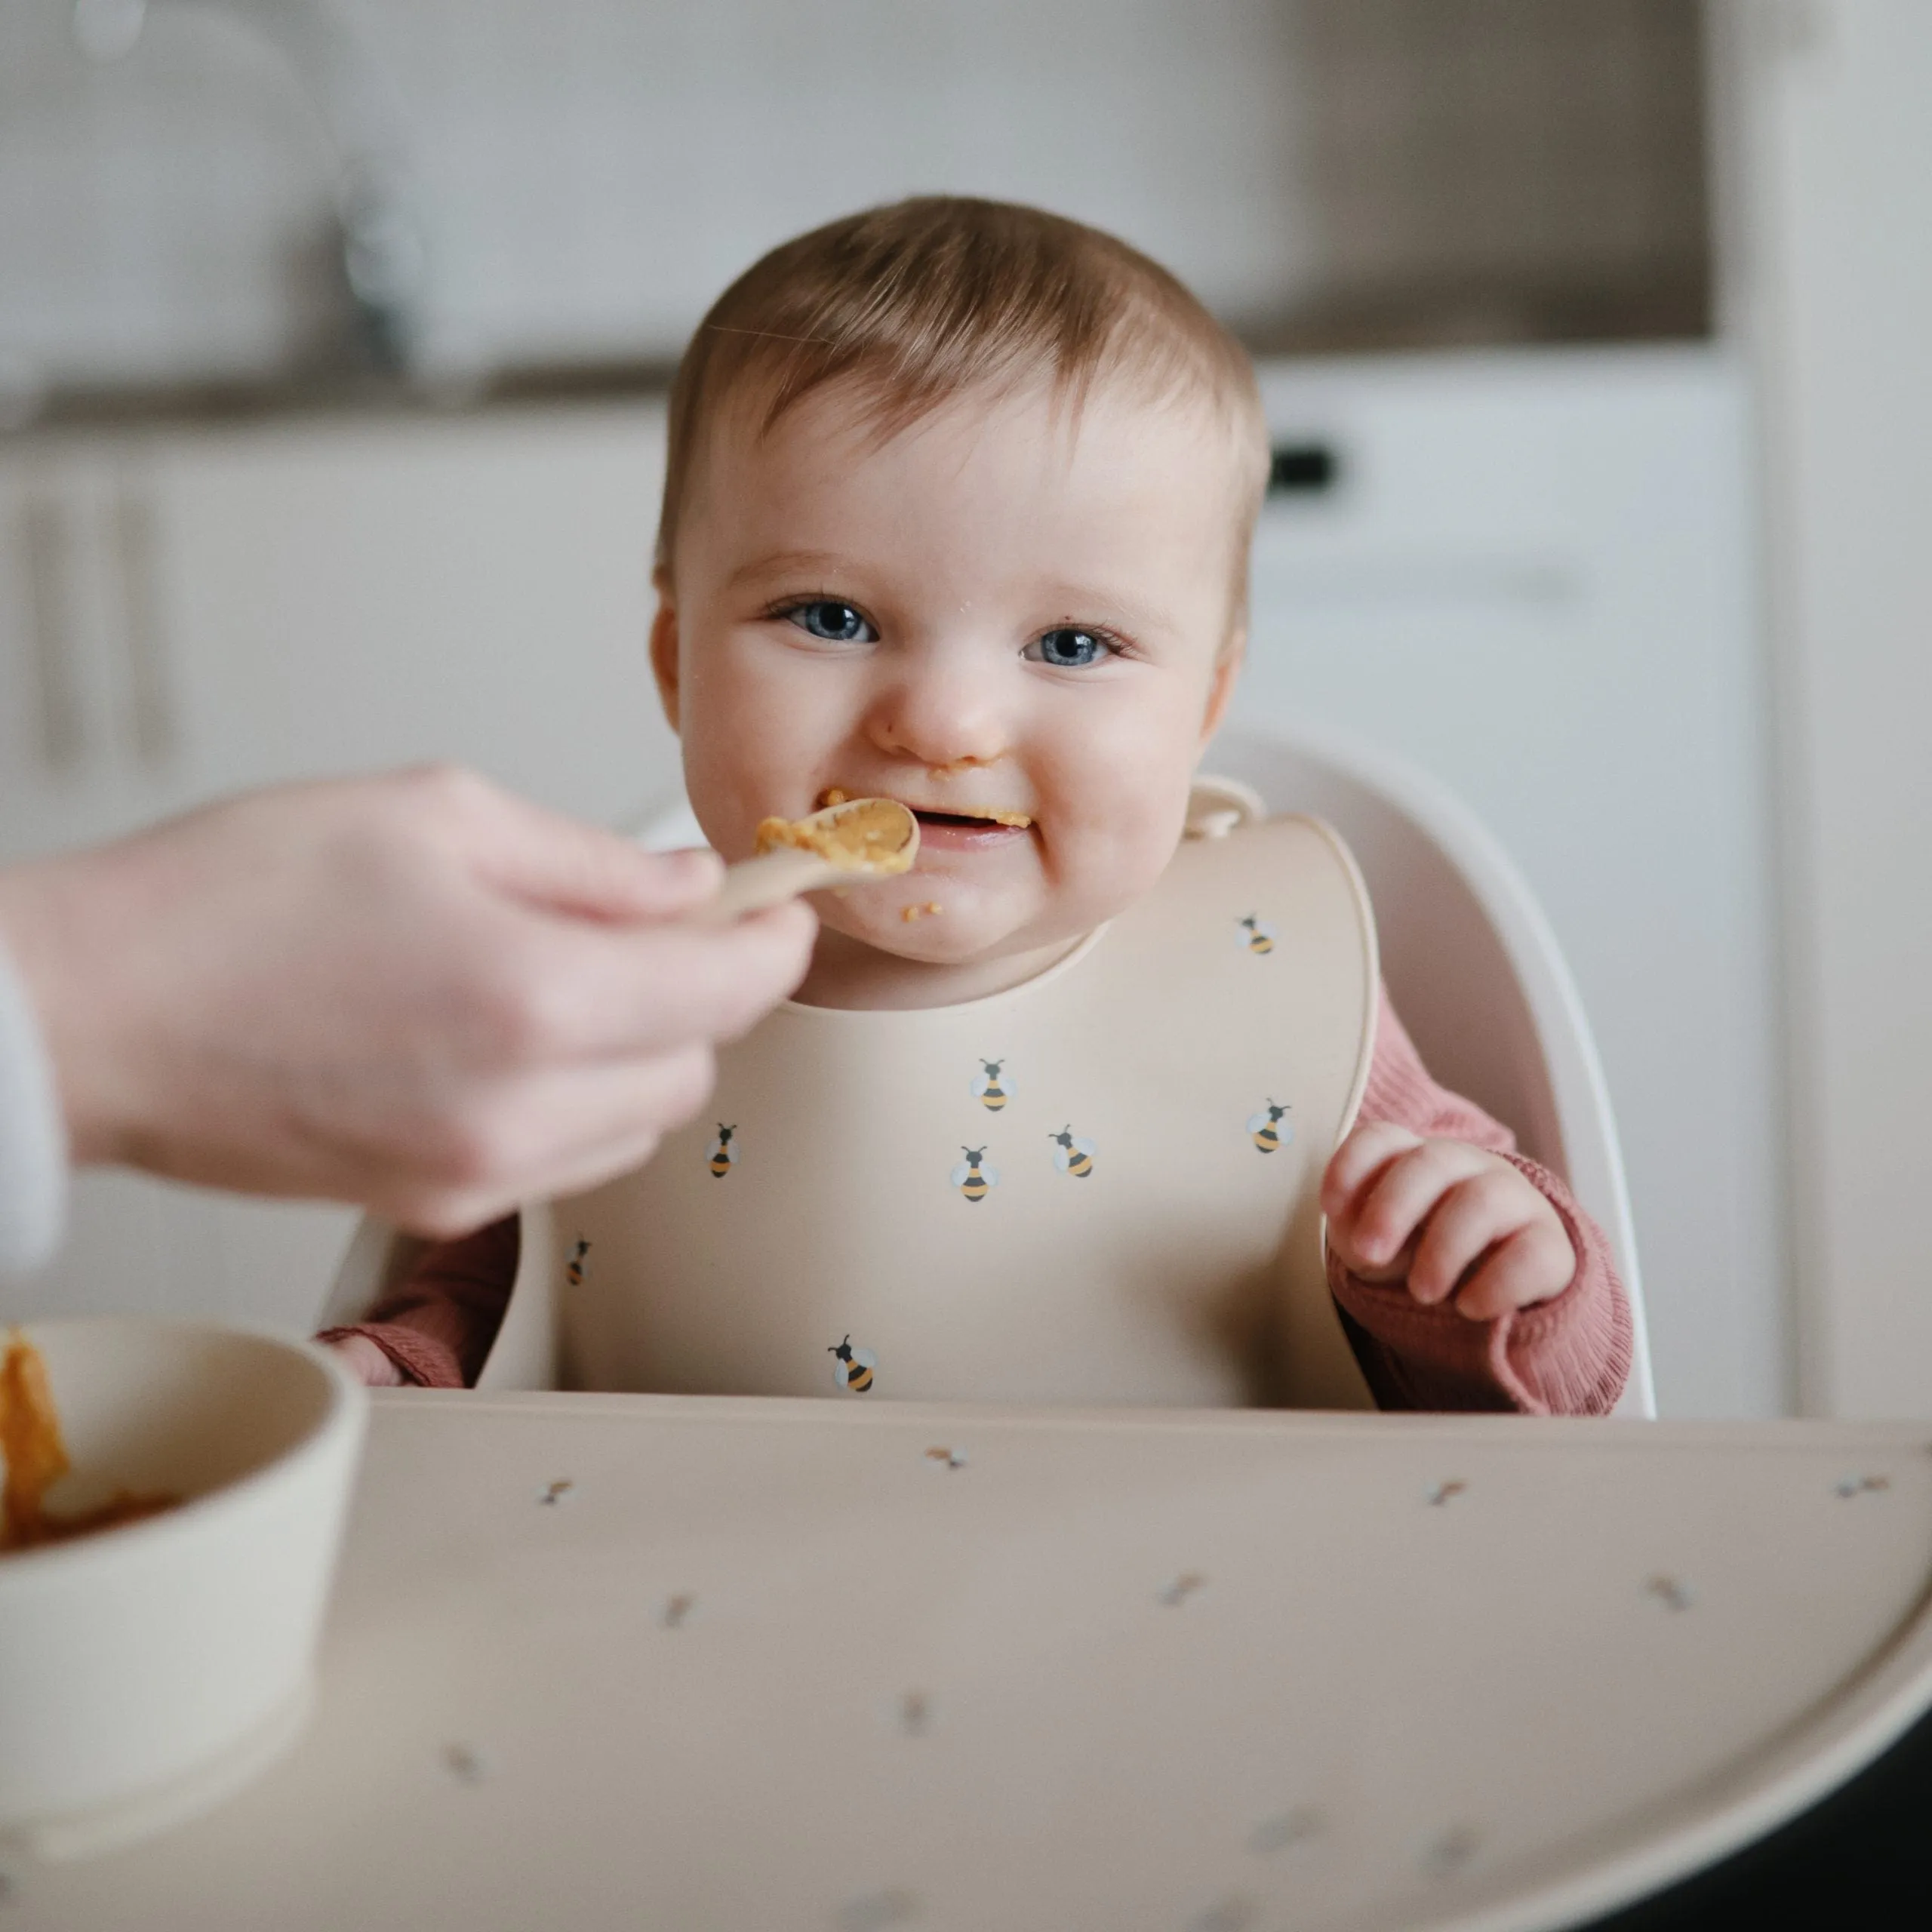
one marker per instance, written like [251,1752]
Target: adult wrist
[63,942]
[33,1137]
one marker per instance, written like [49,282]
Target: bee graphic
[852,1368]
[988,1088]
[1258,936]
[1071,1154]
[1269,1132]
[573,1267]
[722,1152]
[972,1176]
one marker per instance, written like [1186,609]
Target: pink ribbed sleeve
[1570,1355]
[437,1327]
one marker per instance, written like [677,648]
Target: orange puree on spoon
[875,835]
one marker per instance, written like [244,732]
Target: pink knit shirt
[1569,1355]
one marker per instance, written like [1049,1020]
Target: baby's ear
[664,648]
[1221,684]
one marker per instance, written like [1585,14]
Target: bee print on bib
[989,1087]
[852,1368]
[1256,934]
[1270,1131]
[724,1156]
[972,1176]
[1071,1154]
[573,1267]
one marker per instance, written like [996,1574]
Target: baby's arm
[1468,1277]
[434,1330]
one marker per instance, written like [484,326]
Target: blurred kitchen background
[1596,336]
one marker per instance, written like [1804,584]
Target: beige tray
[825,1665]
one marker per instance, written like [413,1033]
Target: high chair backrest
[1471,964]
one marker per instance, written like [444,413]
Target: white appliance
[1533,574]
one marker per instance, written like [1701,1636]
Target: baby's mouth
[968,816]
[959,817]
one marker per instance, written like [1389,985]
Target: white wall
[592,172]
[588,174]
[1832,284]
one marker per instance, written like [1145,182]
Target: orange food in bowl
[36,1459]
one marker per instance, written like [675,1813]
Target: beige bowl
[147,1672]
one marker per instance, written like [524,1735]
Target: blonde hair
[916,303]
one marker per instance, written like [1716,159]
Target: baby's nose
[941,719]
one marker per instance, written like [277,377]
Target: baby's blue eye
[1069,649]
[836,622]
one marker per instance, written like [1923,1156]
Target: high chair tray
[634,1662]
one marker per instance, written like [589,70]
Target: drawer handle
[150,712]
[47,539]
[1303,469]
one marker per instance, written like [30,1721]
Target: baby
[957,511]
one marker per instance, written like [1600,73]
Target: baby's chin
[911,919]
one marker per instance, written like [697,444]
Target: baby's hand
[1451,1218]
[369,1364]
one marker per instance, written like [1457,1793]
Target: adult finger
[576,992]
[546,859]
[1532,1265]
[1472,1217]
[1406,1190]
[556,1132]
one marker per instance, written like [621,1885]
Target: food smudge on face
[36,1459]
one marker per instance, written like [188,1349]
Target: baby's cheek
[733,780]
[1109,858]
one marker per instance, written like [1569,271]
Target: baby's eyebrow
[786,563]
[1109,604]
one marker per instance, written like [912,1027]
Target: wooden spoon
[863,838]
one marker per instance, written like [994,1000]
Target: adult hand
[414,992]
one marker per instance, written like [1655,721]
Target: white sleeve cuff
[33,1136]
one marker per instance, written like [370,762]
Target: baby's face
[989,613]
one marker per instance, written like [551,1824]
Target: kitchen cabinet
[185,612]
[83,728]
[478,591]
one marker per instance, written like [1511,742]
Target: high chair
[1470,962]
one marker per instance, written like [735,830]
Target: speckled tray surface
[634,1661]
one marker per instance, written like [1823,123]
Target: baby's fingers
[1473,1216]
[1402,1197]
[1349,1179]
[1358,1160]
[1530,1265]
